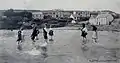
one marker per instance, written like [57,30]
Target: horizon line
[57,9]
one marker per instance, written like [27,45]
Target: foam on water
[43,44]
[33,52]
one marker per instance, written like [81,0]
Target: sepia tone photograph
[59,31]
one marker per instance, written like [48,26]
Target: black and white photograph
[59,31]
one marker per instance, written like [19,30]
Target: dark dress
[83,33]
[51,33]
[94,28]
[34,34]
[19,36]
[45,34]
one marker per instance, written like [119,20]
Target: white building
[74,18]
[71,16]
[92,20]
[101,19]
[37,15]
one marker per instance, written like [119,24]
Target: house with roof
[101,19]
[74,17]
[37,15]
[92,20]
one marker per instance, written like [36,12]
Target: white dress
[94,36]
[22,33]
[85,29]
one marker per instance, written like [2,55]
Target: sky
[90,5]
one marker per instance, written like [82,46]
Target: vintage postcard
[59,31]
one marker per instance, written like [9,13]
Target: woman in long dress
[45,33]
[84,32]
[34,33]
[95,35]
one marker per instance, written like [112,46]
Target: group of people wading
[35,33]
[85,32]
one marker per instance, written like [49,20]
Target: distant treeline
[11,13]
[15,19]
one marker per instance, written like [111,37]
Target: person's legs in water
[19,46]
[95,40]
[33,39]
[52,38]
[19,40]
[84,39]
[44,53]
[46,39]
[37,37]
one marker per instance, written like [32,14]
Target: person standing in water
[84,33]
[45,33]
[20,38]
[95,35]
[44,46]
[34,33]
[51,33]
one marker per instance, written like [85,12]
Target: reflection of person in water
[44,46]
[44,50]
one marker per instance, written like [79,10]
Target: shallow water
[65,42]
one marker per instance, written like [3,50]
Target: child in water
[20,36]
[20,39]
[84,32]
[51,34]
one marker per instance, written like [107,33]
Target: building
[37,15]
[92,20]
[47,12]
[101,19]
[74,18]
[57,13]
[67,14]
[53,13]
[83,13]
